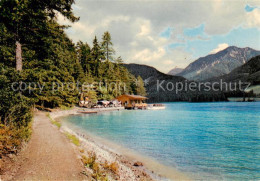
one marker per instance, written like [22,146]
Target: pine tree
[83,53]
[119,60]
[107,46]
[96,57]
[26,18]
[140,89]
[118,64]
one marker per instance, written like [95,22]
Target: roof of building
[133,96]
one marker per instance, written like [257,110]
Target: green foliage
[48,56]
[15,108]
[96,58]
[107,46]
[27,18]
[11,138]
[92,95]
[83,55]
[112,77]
[140,89]
[53,62]
[15,113]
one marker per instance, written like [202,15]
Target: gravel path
[49,155]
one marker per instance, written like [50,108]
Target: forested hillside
[40,66]
[161,87]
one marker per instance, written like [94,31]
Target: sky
[167,33]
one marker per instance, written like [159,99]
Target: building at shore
[133,101]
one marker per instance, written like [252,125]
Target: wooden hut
[133,101]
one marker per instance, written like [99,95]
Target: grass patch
[73,139]
[56,123]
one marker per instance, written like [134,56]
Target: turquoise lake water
[209,141]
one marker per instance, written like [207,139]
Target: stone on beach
[138,164]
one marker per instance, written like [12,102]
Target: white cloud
[135,27]
[110,19]
[147,55]
[168,62]
[219,48]
[145,28]
[253,18]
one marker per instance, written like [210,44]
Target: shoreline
[108,151]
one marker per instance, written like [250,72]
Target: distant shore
[132,166]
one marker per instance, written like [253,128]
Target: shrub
[89,161]
[113,167]
[11,138]
[15,120]
[98,171]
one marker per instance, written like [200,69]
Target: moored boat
[155,106]
[88,112]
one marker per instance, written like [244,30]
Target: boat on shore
[88,112]
[243,99]
[98,110]
[156,106]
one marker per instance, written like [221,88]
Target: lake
[208,141]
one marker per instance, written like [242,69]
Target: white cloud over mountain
[136,27]
[219,48]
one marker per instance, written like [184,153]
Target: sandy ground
[48,156]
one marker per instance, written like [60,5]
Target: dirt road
[48,156]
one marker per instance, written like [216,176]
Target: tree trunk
[107,51]
[18,56]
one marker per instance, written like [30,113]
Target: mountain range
[152,78]
[175,71]
[248,73]
[230,65]
[221,63]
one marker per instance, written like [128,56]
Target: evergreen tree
[83,52]
[24,19]
[140,89]
[50,58]
[118,64]
[92,96]
[119,60]
[78,72]
[96,57]
[107,46]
